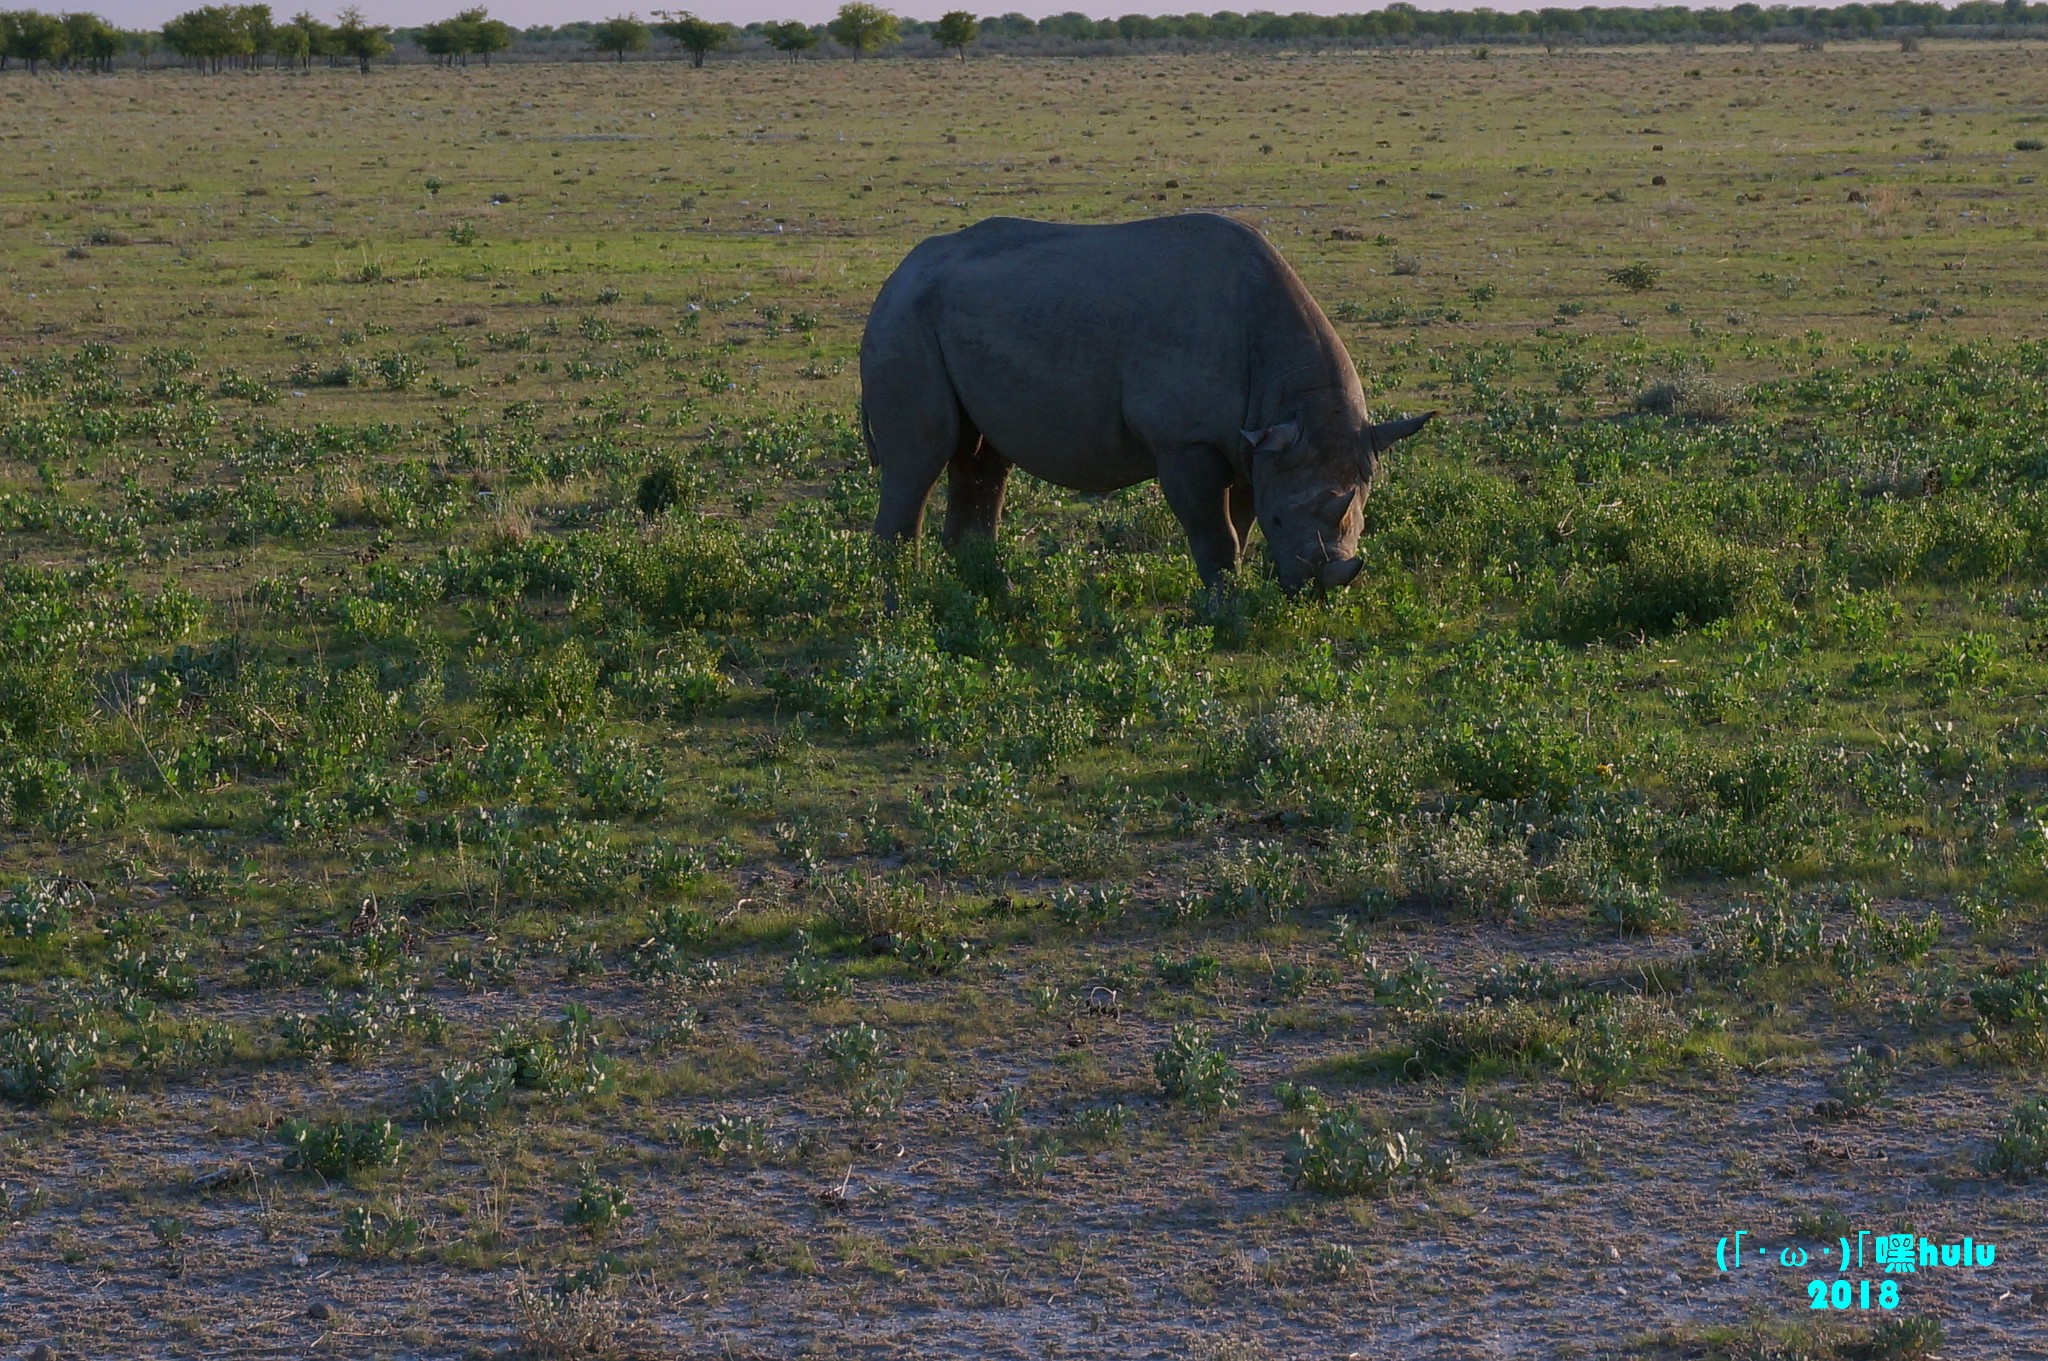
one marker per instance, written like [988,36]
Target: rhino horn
[1272,439]
[1387,434]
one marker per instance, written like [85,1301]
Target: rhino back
[1084,352]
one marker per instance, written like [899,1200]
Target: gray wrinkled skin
[1094,357]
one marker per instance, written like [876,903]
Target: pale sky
[522,13]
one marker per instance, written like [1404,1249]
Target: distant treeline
[220,37]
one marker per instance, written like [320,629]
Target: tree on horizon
[863,28]
[698,37]
[956,29]
[355,36]
[619,35]
[791,37]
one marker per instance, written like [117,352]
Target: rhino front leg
[1196,484]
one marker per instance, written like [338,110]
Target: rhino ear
[1387,434]
[1273,439]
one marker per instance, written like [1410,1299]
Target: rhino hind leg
[975,481]
[911,465]
[915,428]
[905,494]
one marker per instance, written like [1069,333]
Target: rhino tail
[867,436]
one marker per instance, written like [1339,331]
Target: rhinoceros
[1095,357]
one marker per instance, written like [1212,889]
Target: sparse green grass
[453,740]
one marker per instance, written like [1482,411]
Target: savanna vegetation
[229,37]
[492,861]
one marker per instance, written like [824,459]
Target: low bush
[1193,1072]
[1659,583]
[44,1063]
[2020,1151]
[467,1093]
[338,1148]
[1341,1155]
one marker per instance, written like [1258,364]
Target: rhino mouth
[1338,572]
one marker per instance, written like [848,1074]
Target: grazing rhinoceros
[1181,348]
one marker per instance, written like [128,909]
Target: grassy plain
[443,680]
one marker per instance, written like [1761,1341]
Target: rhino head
[1309,484]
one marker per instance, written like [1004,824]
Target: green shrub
[165,973]
[1902,1339]
[338,1148]
[246,388]
[1861,1081]
[1690,393]
[557,687]
[1523,754]
[1412,993]
[1455,1043]
[1027,1161]
[354,1027]
[573,861]
[618,779]
[725,1136]
[599,1205]
[39,910]
[1970,537]
[662,486]
[398,370]
[1615,1041]
[468,1093]
[374,1233]
[1761,782]
[2020,1152]
[562,1060]
[1484,1130]
[1337,763]
[1257,880]
[44,1063]
[39,700]
[495,968]
[2012,1013]
[857,1057]
[678,928]
[1523,981]
[678,682]
[855,1052]
[807,978]
[1340,1155]
[1660,583]
[1631,909]
[1636,278]
[1185,973]
[665,867]
[866,906]
[46,793]
[930,954]
[1100,1125]
[1467,864]
[1792,929]
[1195,1073]
[696,574]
